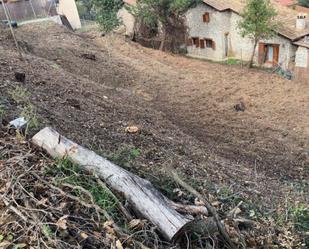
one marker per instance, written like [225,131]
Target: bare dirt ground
[184,108]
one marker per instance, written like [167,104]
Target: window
[196,41]
[202,43]
[206,17]
[210,43]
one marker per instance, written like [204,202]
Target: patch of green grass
[64,171]
[232,61]
[300,217]
[2,112]
[125,156]
[231,200]
[29,113]
[20,95]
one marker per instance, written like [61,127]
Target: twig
[209,207]
[124,211]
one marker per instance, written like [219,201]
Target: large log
[143,197]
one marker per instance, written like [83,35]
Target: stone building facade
[220,29]
[302,61]
[213,34]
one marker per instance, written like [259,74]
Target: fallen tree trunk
[143,197]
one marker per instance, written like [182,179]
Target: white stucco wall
[239,47]
[302,57]
[127,21]
[68,8]
[218,25]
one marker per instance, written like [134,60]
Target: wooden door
[276,55]
[261,53]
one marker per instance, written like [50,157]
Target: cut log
[143,197]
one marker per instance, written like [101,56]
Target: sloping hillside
[91,88]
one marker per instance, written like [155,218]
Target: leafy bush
[106,13]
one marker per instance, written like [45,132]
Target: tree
[304,3]
[85,9]
[258,22]
[106,13]
[162,13]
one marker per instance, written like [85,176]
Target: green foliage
[29,113]
[164,13]
[20,95]
[125,156]
[47,231]
[22,98]
[106,13]
[258,20]
[66,172]
[300,215]
[304,3]
[2,111]
[232,61]
[152,11]
[85,9]
[10,237]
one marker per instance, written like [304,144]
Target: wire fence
[31,9]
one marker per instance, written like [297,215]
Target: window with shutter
[213,45]
[202,43]
[208,43]
[206,17]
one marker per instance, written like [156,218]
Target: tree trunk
[253,53]
[143,197]
[162,44]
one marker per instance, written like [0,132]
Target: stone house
[302,60]
[213,34]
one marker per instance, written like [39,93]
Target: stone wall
[302,65]
[127,21]
[218,25]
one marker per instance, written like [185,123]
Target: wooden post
[142,196]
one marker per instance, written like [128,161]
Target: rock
[240,107]
[20,77]
[74,103]
[89,57]
[132,129]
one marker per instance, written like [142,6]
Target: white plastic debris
[18,123]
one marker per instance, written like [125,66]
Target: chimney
[301,21]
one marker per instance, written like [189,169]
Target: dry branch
[142,196]
[210,208]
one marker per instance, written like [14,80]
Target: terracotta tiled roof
[286,16]
[286,2]
[303,43]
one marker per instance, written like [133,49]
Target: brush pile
[47,204]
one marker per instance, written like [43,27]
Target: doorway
[268,53]
[226,44]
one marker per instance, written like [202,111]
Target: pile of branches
[39,211]
[49,204]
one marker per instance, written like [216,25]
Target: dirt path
[184,108]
